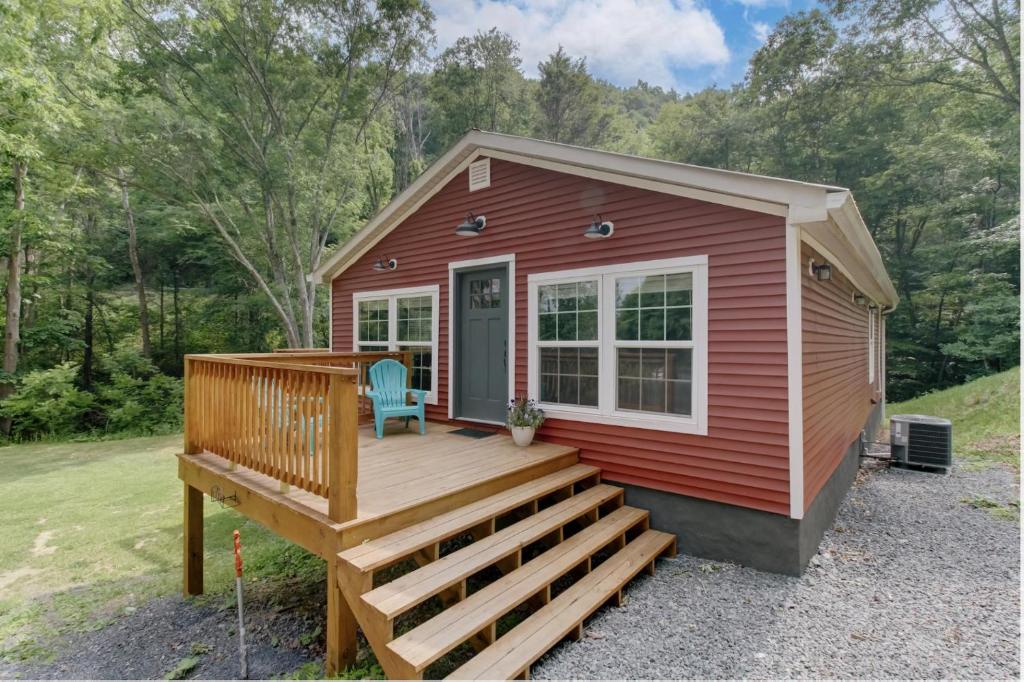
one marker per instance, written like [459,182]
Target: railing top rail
[351,372]
[306,355]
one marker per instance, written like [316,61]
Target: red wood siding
[837,395]
[540,216]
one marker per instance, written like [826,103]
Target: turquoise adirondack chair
[389,390]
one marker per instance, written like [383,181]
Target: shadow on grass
[27,460]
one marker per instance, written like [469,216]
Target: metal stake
[241,617]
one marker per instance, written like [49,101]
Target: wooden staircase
[502,579]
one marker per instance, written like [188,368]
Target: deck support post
[192,565]
[343,448]
[341,624]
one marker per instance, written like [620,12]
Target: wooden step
[388,549]
[426,643]
[511,656]
[400,595]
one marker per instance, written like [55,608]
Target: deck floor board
[404,468]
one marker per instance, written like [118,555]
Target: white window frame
[606,412]
[872,341]
[392,296]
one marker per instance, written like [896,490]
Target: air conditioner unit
[922,441]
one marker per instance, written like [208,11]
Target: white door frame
[453,268]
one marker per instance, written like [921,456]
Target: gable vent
[479,174]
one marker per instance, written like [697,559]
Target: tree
[477,83]
[968,46]
[569,105]
[272,129]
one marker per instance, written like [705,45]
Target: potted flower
[524,418]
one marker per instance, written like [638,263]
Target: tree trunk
[178,360]
[133,254]
[12,325]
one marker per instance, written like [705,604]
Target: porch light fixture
[860,299]
[472,227]
[823,272]
[599,229]
[384,264]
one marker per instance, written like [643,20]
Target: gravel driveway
[911,582]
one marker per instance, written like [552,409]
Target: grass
[985,415]
[93,529]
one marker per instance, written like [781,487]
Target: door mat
[472,433]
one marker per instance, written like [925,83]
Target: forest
[171,171]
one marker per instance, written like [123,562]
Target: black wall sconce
[600,228]
[860,299]
[823,272]
[384,264]
[472,227]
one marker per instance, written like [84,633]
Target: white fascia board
[842,209]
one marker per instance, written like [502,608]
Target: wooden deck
[277,438]
[402,477]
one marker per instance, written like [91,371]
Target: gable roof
[824,210]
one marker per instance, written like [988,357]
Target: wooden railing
[293,417]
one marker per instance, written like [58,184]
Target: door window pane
[484,293]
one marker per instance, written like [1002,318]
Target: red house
[714,341]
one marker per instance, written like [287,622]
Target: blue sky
[685,44]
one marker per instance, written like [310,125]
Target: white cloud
[623,40]
[761,30]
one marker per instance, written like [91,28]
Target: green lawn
[985,415]
[91,529]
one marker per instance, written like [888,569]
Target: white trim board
[392,295]
[453,267]
[795,369]
[606,412]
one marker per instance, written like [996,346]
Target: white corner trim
[432,290]
[795,370]
[605,412]
[453,268]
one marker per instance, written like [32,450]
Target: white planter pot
[522,435]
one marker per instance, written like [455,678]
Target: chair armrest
[419,394]
[372,394]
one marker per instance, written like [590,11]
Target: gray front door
[482,344]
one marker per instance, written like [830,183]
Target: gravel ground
[911,582]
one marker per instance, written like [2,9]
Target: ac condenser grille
[929,445]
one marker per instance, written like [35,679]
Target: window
[568,340]
[623,343]
[401,320]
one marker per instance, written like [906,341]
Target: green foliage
[985,415]
[48,402]
[138,398]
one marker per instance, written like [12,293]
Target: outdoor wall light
[823,272]
[599,229]
[860,299]
[383,264]
[472,227]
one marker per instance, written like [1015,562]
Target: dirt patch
[284,623]
[42,546]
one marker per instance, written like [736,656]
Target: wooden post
[191,410]
[342,646]
[407,361]
[343,448]
[193,541]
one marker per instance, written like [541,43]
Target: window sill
[633,421]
